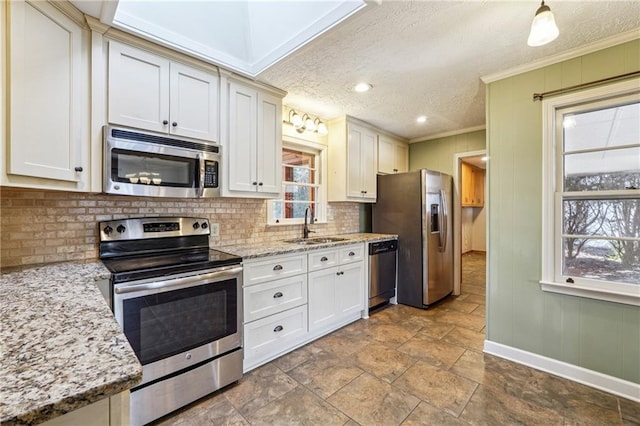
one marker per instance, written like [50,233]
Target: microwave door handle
[200,188]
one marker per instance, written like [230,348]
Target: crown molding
[446,134]
[564,56]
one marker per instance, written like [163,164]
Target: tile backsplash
[39,226]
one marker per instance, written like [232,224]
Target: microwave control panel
[210,174]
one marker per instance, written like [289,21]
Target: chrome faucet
[305,230]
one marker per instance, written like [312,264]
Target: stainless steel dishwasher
[382,271]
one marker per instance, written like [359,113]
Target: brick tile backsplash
[39,226]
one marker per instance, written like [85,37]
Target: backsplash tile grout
[42,226]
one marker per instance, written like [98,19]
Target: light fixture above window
[543,27]
[304,123]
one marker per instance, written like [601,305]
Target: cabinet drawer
[274,268]
[322,259]
[274,334]
[350,254]
[270,298]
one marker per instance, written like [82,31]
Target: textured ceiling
[427,57]
[422,57]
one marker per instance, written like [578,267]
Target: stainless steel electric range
[180,305]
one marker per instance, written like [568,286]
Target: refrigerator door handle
[444,220]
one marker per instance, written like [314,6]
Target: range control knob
[121,229]
[196,225]
[204,225]
[107,230]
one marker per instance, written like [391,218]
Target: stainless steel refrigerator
[417,206]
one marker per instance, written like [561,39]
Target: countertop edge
[276,248]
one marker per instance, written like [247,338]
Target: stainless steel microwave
[158,165]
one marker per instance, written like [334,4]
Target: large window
[302,185]
[592,194]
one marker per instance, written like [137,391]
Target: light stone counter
[247,251]
[61,347]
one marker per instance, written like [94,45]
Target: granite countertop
[61,346]
[247,251]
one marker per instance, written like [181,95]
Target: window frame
[320,151]
[553,279]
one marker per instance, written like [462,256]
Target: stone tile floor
[407,366]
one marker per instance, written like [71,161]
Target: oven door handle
[178,282]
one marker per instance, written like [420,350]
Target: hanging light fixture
[543,27]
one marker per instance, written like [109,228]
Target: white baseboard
[610,384]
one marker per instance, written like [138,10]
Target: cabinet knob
[165,122]
[278,268]
[323,259]
[78,169]
[259,183]
[351,253]
[278,329]
[395,170]
[174,124]
[277,295]
[254,183]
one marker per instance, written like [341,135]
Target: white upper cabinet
[151,92]
[48,144]
[253,144]
[393,155]
[353,161]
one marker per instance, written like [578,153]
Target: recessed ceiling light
[422,119]
[362,87]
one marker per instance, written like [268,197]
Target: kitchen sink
[317,240]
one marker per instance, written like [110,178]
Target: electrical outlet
[215,229]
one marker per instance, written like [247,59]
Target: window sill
[591,293]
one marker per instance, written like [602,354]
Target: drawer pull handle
[278,268]
[351,253]
[277,295]
[339,273]
[278,329]
[323,259]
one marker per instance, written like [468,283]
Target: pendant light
[543,27]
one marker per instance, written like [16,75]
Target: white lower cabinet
[293,299]
[274,335]
[335,295]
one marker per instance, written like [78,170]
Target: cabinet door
[401,157]
[478,187]
[466,186]
[138,88]
[194,98]
[386,155]
[369,166]
[242,139]
[48,131]
[349,289]
[322,298]
[355,140]
[269,143]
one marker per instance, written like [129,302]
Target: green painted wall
[596,335]
[437,154]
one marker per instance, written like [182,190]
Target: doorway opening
[470,212]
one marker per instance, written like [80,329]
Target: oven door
[178,322]
[144,164]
